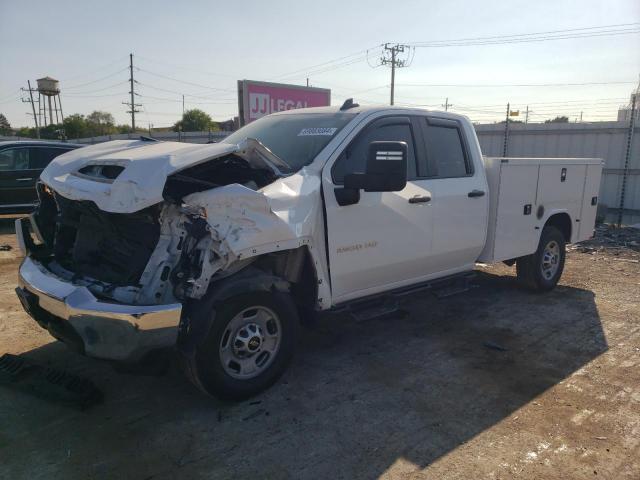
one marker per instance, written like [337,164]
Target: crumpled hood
[146,168]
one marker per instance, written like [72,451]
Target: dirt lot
[493,383]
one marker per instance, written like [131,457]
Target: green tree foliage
[75,126]
[53,131]
[100,123]
[5,127]
[558,120]
[195,121]
[28,132]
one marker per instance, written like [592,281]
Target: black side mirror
[386,171]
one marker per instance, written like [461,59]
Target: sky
[200,49]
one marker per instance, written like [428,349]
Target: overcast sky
[201,49]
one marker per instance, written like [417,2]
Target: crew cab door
[383,240]
[460,200]
[17,178]
[20,169]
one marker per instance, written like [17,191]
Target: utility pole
[395,62]
[183,105]
[580,117]
[627,157]
[505,147]
[447,104]
[33,108]
[132,105]
[307,81]
[526,115]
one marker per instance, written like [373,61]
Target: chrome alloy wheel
[550,259]
[250,342]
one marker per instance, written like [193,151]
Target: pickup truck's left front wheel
[249,345]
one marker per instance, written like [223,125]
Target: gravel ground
[492,383]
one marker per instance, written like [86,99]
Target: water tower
[49,88]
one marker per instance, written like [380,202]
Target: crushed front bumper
[72,314]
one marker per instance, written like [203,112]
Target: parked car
[223,250]
[21,163]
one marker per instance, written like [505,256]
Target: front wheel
[541,270]
[249,345]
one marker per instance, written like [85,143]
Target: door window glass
[42,156]
[445,150]
[354,158]
[14,159]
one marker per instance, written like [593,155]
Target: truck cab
[224,250]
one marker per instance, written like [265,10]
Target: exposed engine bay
[160,254]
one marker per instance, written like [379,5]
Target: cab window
[354,158]
[445,150]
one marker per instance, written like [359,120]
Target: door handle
[420,199]
[475,193]
[26,179]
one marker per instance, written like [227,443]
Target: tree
[28,132]
[75,126]
[100,123]
[194,121]
[5,127]
[53,131]
[558,120]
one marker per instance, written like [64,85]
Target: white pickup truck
[224,249]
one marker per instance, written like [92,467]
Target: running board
[387,303]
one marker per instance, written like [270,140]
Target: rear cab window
[447,153]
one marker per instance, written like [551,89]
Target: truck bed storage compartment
[524,191]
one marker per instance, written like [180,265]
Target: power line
[603,30]
[310,68]
[101,89]
[73,87]
[184,81]
[496,85]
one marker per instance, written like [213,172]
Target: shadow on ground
[359,396]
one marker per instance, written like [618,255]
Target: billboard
[257,99]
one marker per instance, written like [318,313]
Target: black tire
[211,375]
[531,269]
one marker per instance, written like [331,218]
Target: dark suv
[20,166]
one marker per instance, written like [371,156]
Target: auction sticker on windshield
[308,132]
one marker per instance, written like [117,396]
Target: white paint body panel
[380,243]
[516,182]
[140,185]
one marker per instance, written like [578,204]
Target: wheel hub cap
[250,342]
[550,259]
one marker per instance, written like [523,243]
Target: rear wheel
[541,270]
[248,346]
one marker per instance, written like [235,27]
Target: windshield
[295,138]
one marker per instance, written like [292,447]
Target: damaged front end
[114,282]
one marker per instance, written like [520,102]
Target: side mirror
[386,171]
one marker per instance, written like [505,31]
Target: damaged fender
[284,215]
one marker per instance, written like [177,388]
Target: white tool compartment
[524,192]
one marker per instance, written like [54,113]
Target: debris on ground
[5,247]
[611,240]
[48,383]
